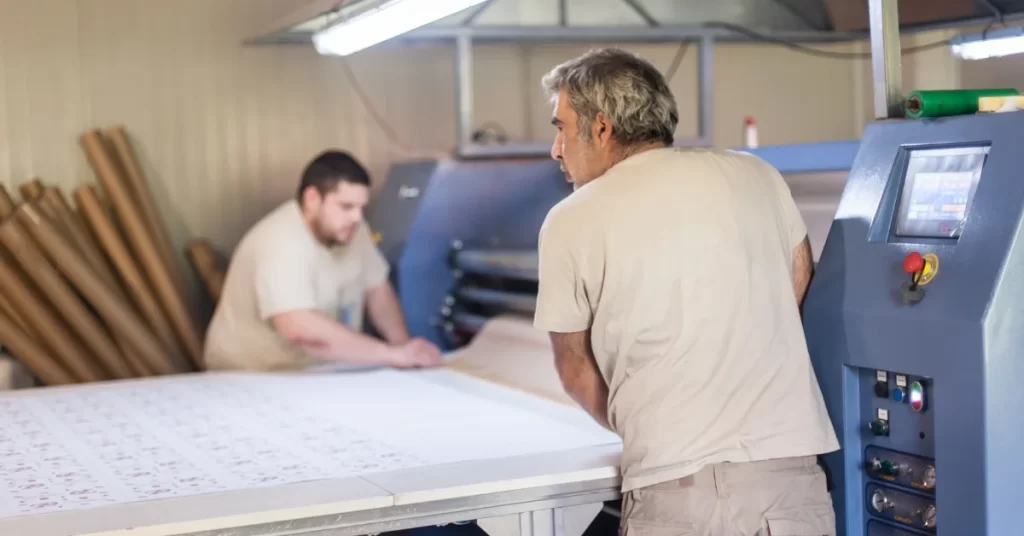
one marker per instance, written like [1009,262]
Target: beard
[327,238]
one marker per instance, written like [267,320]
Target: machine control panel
[898,451]
[901,507]
[913,327]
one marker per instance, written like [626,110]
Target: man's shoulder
[683,155]
[564,214]
[282,226]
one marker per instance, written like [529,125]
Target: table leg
[563,521]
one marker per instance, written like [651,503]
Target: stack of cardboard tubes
[93,290]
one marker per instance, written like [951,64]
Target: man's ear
[602,129]
[310,196]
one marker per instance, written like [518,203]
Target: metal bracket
[565,521]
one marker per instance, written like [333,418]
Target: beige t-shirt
[277,267]
[680,261]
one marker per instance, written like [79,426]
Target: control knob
[928,517]
[879,427]
[880,502]
[928,477]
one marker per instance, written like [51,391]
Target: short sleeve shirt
[680,264]
[279,267]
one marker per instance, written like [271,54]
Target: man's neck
[634,150]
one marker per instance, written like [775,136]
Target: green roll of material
[941,103]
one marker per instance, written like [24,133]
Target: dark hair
[328,169]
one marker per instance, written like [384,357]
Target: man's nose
[556,148]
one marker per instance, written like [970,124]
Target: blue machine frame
[497,205]
[957,349]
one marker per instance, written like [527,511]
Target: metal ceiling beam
[583,34]
[279,34]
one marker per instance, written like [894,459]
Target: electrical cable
[797,47]
[676,61]
[378,118]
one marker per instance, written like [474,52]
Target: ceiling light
[991,44]
[388,19]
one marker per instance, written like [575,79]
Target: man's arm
[577,368]
[803,269]
[386,313]
[323,337]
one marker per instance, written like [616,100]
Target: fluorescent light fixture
[390,18]
[991,44]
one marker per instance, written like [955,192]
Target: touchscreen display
[938,189]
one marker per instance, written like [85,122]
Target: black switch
[882,389]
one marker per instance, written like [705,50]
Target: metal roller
[468,322]
[498,263]
[518,302]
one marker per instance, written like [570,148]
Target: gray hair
[628,90]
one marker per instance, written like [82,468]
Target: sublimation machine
[915,327]
[461,236]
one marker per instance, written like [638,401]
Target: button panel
[898,451]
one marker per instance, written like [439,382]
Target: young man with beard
[300,279]
[671,282]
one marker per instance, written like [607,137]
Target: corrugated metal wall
[223,130]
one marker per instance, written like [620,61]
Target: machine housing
[920,380]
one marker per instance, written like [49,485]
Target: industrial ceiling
[654,20]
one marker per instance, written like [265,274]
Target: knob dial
[880,502]
[928,477]
[928,517]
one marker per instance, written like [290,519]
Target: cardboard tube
[148,253]
[31,190]
[79,237]
[106,232]
[50,205]
[114,310]
[56,290]
[46,327]
[6,203]
[32,354]
[204,260]
[7,308]
[136,183]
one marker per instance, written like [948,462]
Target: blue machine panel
[486,205]
[920,379]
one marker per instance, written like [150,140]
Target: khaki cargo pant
[786,497]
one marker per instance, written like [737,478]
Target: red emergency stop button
[913,263]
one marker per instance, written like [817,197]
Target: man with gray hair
[671,282]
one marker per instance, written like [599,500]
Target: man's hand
[415,353]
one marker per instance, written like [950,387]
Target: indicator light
[916,396]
